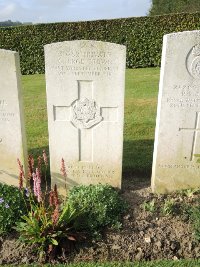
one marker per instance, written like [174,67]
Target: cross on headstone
[84,113]
[195,130]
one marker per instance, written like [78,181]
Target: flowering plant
[49,222]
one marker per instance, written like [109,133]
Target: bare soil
[144,235]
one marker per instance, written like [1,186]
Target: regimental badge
[85,113]
[193,61]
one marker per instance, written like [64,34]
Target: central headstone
[12,130]
[177,140]
[85,98]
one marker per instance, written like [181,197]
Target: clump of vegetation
[102,204]
[12,207]
[49,222]
[190,193]
[55,225]
[48,225]
[168,207]
[149,206]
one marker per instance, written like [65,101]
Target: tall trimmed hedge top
[142,36]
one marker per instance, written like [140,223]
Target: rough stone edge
[160,94]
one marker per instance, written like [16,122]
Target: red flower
[30,166]
[21,174]
[51,198]
[55,215]
[56,199]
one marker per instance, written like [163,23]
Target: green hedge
[142,36]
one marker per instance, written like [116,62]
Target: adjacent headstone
[177,137]
[85,99]
[12,133]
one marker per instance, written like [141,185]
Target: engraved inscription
[85,113]
[189,90]
[5,116]
[90,171]
[184,96]
[178,166]
[84,62]
[3,104]
[176,102]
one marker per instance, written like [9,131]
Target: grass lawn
[139,125]
[140,115]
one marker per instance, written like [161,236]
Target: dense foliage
[101,203]
[160,7]
[12,207]
[142,36]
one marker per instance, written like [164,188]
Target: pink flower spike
[63,169]
[20,167]
[38,185]
[21,174]
[20,181]
[55,215]
[30,166]
[34,184]
[45,158]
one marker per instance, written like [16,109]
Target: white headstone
[177,137]
[12,133]
[85,99]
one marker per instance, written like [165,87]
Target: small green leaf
[54,241]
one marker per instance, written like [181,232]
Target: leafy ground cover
[155,226]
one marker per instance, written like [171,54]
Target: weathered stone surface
[177,137]
[85,99]
[12,133]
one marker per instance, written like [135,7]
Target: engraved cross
[195,130]
[84,114]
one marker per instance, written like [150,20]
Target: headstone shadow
[137,162]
